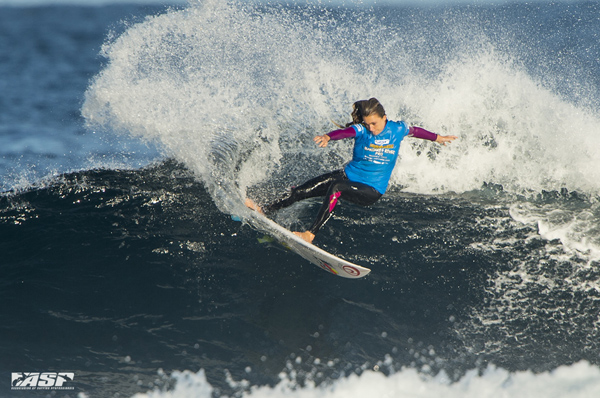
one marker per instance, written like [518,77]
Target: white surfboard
[310,252]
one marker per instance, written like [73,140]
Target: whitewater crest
[230,77]
[236,92]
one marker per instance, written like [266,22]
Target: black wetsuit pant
[332,186]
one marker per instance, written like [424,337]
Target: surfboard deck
[308,251]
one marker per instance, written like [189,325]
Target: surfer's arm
[423,134]
[340,134]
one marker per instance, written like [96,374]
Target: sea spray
[236,92]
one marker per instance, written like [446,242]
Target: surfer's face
[375,123]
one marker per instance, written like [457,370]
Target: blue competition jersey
[375,156]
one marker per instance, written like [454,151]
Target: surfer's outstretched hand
[322,140]
[443,139]
[250,204]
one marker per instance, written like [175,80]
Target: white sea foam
[580,380]
[576,228]
[512,131]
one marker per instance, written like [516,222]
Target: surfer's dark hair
[363,108]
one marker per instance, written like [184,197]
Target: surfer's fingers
[321,141]
[444,139]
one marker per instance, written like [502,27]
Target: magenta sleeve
[419,132]
[348,132]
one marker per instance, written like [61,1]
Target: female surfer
[365,179]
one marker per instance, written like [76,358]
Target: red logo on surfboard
[347,268]
[351,270]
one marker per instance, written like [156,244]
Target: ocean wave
[226,69]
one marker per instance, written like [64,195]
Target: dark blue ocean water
[129,136]
[49,55]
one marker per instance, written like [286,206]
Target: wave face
[484,253]
[133,271]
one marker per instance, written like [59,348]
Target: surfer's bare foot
[307,236]
[250,204]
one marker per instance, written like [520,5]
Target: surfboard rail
[308,251]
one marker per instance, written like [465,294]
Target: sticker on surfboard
[310,252]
